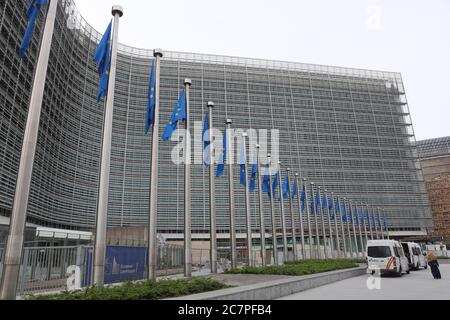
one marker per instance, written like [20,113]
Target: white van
[422,256]
[386,257]
[411,254]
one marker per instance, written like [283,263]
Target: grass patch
[300,268]
[148,290]
[443,258]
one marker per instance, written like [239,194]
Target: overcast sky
[407,36]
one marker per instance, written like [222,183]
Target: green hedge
[301,268]
[149,290]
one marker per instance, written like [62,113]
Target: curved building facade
[347,129]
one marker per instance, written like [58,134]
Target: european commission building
[348,130]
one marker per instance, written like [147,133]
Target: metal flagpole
[291,208]
[316,221]
[381,226]
[343,230]
[102,209]
[14,245]
[348,229]
[338,242]
[272,215]
[261,210]
[324,233]
[329,224]
[187,186]
[377,234]
[153,205]
[283,215]
[387,227]
[374,226]
[302,231]
[370,223]
[360,229]
[366,235]
[229,122]
[354,230]
[308,217]
[212,193]
[247,205]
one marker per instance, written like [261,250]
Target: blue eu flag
[337,208]
[32,13]
[303,199]
[243,176]
[151,103]
[205,139]
[179,114]
[361,217]
[295,189]
[266,182]
[350,214]
[357,217]
[242,164]
[317,202]
[368,217]
[253,177]
[344,213]
[312,203]
[324,201]
[330,206]
[286,187]
[276,183]
[379,220]
[373,220]
[102,57]
[223,158]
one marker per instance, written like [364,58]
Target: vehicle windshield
[379,252]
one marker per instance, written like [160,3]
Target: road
[418,285]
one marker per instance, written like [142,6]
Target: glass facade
[433,147]
[348,130]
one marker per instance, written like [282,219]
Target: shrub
[300,268]
[148,290]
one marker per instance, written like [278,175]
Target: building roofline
[81,23]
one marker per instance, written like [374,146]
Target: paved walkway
[419,285]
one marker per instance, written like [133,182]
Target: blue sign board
[122,264]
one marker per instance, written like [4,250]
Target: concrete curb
[444,261]
[277,289]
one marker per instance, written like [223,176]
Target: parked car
[386,257]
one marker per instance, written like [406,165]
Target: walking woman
[434,265]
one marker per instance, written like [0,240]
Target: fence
[44,269]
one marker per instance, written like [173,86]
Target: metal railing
[45,269]
[170,260]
